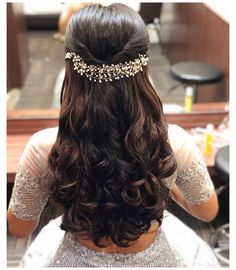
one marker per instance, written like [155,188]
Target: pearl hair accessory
[107,72]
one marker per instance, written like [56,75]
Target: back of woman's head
[112,153]
[107,35]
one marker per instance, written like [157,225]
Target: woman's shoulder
[45,137]
[178,136]
[38,148]
[34,159]
[183,145]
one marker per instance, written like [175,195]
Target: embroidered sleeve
[30,195]
[192,176]
[195,182]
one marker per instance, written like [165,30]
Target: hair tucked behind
[112,150]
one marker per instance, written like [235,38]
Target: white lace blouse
[30,194]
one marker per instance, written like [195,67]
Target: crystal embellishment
[107,73]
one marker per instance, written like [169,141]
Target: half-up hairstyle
[112,151]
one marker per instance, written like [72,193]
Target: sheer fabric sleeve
[30,195]
[192,176]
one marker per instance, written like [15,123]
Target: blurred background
[179,32]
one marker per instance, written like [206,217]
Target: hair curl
[112,149]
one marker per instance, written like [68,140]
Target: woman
[113,162]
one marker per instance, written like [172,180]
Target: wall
[17,46]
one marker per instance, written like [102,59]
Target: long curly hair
[112,151]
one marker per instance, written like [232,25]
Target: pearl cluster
[107,72]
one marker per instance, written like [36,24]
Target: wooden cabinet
[17,46]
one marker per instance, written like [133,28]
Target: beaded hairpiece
[107,72]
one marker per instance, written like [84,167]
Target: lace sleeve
[195,182]
[29,195]
[192,176]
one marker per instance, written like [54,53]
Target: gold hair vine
[107,72]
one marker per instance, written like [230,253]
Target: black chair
[219,239]
[195,74]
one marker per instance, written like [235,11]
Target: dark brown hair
[112,149]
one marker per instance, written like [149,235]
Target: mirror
[36,51]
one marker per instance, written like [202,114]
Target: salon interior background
[182,31]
